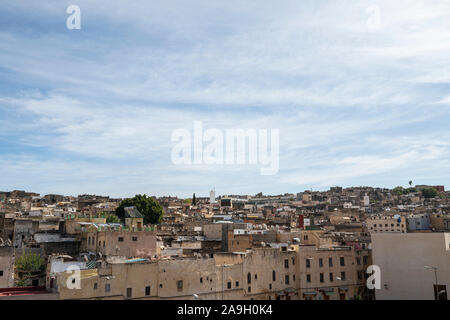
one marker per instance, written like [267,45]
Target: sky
[359,90]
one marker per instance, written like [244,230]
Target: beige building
[239,242]
[329,273]
[386,223]
[119,242]
[408,263]
[266,273]
[6,267]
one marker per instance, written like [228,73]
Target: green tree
[429,193]
[398,190]
[147,206]
[409,190]
[28,266]
[112,218]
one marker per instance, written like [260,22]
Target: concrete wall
[213,231]
[402,258]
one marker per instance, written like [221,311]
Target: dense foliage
[147,206]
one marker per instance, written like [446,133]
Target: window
[293,261]
[134,238]
[249,289]
[95,286]
[147,290]
[237,284]
[201,280]
[274,275]
[107,287]
[342,261]
[308,278]
[358,260]
[180,285]
[308,263]
[331,276]
[286,279]
[365,259]
[103,244]
[343,275]
[330,261]
[321,277]
[256,276]
[120,239]
[249,278]
[270,287]
[1,273]
[99,243]
[293,277]
[320,262]
[129,292]
[229,285]
[286,263]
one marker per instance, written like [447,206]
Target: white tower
[366,200]
[212,196]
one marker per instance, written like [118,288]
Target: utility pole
[436,280]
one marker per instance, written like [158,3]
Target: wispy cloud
[93,110]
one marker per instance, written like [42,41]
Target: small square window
[180,285]
[134,238]
[120,239]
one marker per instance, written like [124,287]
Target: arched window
[274,275]
[249,278]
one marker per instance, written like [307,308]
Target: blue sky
[93,110]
